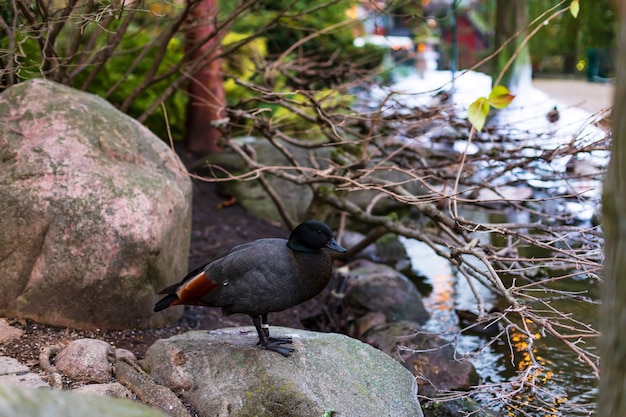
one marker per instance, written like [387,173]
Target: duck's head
[312,236]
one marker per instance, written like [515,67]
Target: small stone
[8,332]
[125,354]
[11,366]
[28,380]
[86,360]
[114,389]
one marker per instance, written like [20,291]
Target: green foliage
[242,64]
[81,59]
[499,98]
[136,39]
[79,56]
[564,42]
[574,8]
[290,21]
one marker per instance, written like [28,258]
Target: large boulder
[297,200]
[95,211]
[224,373]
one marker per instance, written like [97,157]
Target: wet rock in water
[20,402]
[95,211]
[434,364]
[86,360]
[224,373]
[378,288]
[458,407]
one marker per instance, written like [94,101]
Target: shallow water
[571,383]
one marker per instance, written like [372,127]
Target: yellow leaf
[574,8]
[477,113]
[500,97]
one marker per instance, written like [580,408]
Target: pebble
[9,333]
[114,389]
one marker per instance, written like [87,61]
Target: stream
[563,375]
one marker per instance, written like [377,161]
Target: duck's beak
[332,244]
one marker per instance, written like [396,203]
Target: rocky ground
[219,223]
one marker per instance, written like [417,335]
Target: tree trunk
[612,399]
[206,88]
[570,45]
[511,18]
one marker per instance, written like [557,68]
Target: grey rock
[459,407]
[431,358]
[95,211]
[12,372]
[251,194]
[11,366]
[113,389]
[20,402]
[378,288]
[387,250]
[86,360]
[26,380]
[150,393]
[224,373]
[125,354]
[298,200]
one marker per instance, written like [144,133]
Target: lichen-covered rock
[223,373]
[95,211]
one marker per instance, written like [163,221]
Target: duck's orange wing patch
[194,289]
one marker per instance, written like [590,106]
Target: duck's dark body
[260,277]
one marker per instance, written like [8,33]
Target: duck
[260,277]
[553,115]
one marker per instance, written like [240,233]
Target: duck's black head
[312,236]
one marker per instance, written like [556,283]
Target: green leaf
[477,113]
[574,8]
[500,97]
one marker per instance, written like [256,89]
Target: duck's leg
[265,325]
[269,343]
[266,329]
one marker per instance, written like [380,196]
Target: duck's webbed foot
[277,346]
[271,343]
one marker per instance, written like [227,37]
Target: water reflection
[560,379]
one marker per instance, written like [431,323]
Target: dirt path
[592,97]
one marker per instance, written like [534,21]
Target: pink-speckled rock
[95,211]
[87,360]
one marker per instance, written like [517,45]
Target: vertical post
[454,48]
[206,89]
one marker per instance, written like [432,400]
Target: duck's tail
[165,302]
